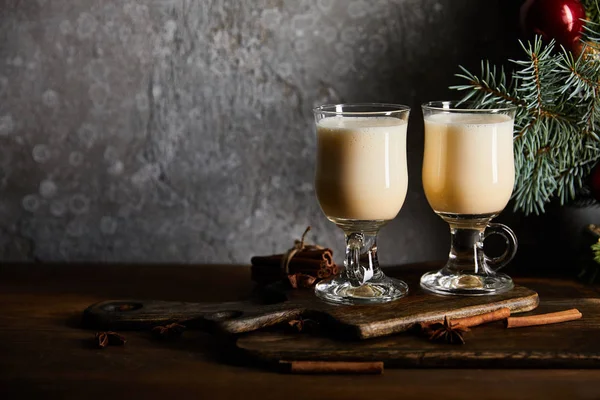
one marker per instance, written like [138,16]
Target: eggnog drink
[468,165]
[361,171]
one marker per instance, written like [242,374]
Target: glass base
[446,282]
[376,291]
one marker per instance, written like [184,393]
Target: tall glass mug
[361,182]
[468,178]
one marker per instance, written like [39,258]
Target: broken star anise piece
[445,332]
[169,331]
[104,339]
[303,324]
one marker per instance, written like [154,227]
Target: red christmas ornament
[595,182]
[560,20]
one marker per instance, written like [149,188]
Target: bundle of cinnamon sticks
[312,261]
[302,265]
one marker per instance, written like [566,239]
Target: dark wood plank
[565,345]
[358,322]
[45,353]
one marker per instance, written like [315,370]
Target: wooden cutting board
[572,344]
[283,304]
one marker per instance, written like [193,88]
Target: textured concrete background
[181,131]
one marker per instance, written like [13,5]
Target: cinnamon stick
[270,274]
[313,257]
[295,263]
[333,367]
[475,320]
[543,319]
[301,280]
[317,262]
[324,273]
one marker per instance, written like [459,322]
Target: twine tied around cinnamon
[302,265]
[299,245]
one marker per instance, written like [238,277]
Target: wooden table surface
[45,354]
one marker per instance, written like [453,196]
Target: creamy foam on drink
[361,167]
[468,165]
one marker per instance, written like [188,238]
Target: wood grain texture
[566,345]
[356,322]
[46,354]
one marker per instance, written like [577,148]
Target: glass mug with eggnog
[361,182]
[468,178]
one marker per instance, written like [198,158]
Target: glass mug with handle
[468,178]
[361,181]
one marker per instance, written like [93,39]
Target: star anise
[445,332]
[109,338]
[303,324]
[169,331]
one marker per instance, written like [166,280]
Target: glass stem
[466,250]
[361,263]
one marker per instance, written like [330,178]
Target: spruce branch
[596,250]
[492,87]
[592,10]
[557,123]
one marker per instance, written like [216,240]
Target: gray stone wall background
[181,130]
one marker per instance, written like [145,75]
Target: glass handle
[355,273]
[511,245]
